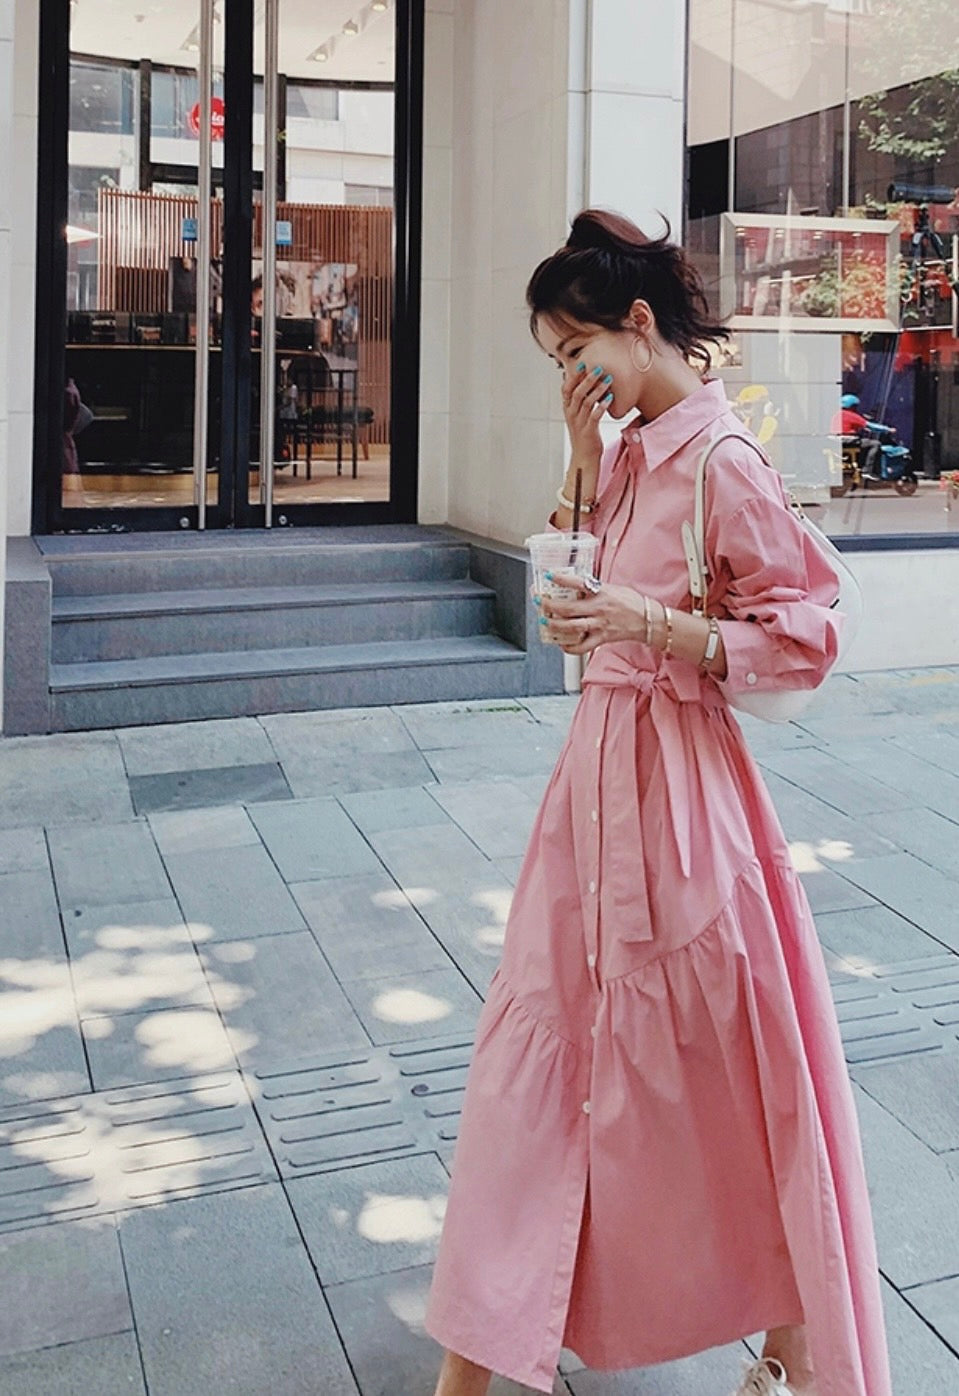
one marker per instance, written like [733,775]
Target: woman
[658,1149]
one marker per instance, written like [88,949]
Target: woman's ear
[641,316]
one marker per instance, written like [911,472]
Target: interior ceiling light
[319,55]
[351,28]
[379,5]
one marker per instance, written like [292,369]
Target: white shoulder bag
[780,704]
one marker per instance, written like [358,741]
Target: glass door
[220,332]
[323,142]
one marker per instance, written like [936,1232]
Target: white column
[634,66]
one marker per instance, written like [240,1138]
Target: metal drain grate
[117,1149]
[358,1107]
[898,1010]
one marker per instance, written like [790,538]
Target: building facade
[416,160]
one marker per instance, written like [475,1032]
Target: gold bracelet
[667,613]
[647,617]
[712,643]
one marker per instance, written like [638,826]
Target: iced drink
[560,553]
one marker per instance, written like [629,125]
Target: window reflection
[839,119]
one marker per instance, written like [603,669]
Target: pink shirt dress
[658,1149]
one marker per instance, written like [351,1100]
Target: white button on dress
[591,960]
[593,1030]
[592,888]
[750,678]
[585,1107]
[594,815]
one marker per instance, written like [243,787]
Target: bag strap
[694,535]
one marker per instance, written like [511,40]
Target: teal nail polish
[598,369]
[608,397]
[548,576]
[608,378]
[543,620]
[537,601]
[580,368]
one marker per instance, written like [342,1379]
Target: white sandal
[767,1377]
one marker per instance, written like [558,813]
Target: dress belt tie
[674,683]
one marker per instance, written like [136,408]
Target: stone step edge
[252,664]
[193,601]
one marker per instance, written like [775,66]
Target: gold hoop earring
[640,339]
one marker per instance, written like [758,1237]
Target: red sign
[217,118]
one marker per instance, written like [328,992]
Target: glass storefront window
[823,209]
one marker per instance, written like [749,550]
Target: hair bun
[596,229]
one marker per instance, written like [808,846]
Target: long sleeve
[774,584]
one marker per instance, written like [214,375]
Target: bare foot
[460,1377]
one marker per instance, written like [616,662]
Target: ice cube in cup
[560,552]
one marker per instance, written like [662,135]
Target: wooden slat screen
[140,232]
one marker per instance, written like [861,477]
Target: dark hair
[605,265]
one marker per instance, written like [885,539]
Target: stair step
[109,606]
[190,687]
[85,567]
[126,626]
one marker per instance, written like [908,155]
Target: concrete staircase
[171,628]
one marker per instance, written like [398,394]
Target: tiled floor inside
[241,964]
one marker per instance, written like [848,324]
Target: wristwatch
[712,643]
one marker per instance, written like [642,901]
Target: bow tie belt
[668,688]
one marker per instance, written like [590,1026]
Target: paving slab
[434,726]
[279,999]
[232,894]
[108,1366]
[220,785]
[929,836]
[915,890]
[186,746]
[939,747]
[499,760]
[497,815]
[921,1363]
[922,1093]
[827,836]
[163,1045]
[371,1220]
[829,891]
[225,1299]
[407,1007]
[43,1054]
[138,970]
[903,771]
[847,789]
[63,779]
[938,1304]
[404,808]
[310,839]
[106,864]
[346,772]
[23,850]
[297,737]
[29,916]
[189,831]
[366,927]
[873,935]
[61,1283]
[914,1196]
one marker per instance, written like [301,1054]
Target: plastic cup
[560,552]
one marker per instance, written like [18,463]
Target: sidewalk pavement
[240,968]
